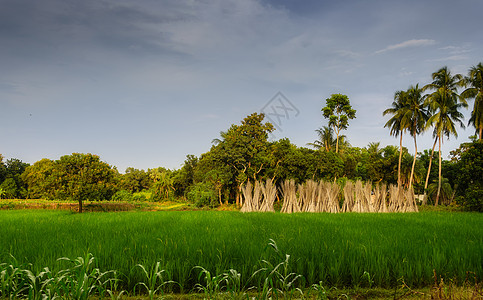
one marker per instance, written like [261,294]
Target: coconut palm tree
[415,117]
[429,166]
[446,114]
[444,104]
[475,80]
[327,141]
[396,124]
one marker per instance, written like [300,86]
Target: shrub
[122,196]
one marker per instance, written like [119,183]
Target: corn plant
[213,284]
[276,276]
[155,280]
[83,280]
[12,281]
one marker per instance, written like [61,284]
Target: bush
[202,194]
[122,196]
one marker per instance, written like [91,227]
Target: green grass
[341,250]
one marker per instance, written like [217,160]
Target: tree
[13,185]
[40,182]
[415,117]
[475,80]
[469,183]
[163,183]
[338,111]
[135,180]
[444,104]
[396,124]
[3,169]
[327,141]
[83,177]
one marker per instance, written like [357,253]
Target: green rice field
[340,250]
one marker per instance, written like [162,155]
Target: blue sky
[144,83]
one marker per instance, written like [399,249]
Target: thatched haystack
[290,201]
[349,195]
[269,191]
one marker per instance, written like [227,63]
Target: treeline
[244,154]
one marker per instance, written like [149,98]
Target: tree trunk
[439,174]
[337,143]
[414,162]
[219,195]
[80,206]
[399,163]
[481,132]
[429,170]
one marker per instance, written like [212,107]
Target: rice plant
[335,249]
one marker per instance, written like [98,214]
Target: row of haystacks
[329,197]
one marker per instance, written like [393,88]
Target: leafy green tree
[9,188]
[83,177]
[338,111]
[243,153]
[135,180]
[469,183]
[3,169]
[38,177]
[475,80]
[445,104]
[13,185]
[184,177]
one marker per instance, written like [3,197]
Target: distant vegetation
[243,153]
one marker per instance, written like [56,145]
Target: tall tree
[396,124]
[475,81]
[415,117]
[445,104]
[338,111]
[429,166]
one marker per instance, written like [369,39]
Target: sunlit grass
[340,250]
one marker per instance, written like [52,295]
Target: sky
[144,83]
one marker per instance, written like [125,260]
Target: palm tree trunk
[439,174]
[414,162]
[429,171]
[399,163]
[337,143]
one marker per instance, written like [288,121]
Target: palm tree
[447,113]
[415,117]
[217,141]
[396,124]
[429,167]
[475,80]
[327,141]
[444,104]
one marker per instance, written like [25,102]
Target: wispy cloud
[408,44]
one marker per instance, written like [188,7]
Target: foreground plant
[277,277]
[156,279]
